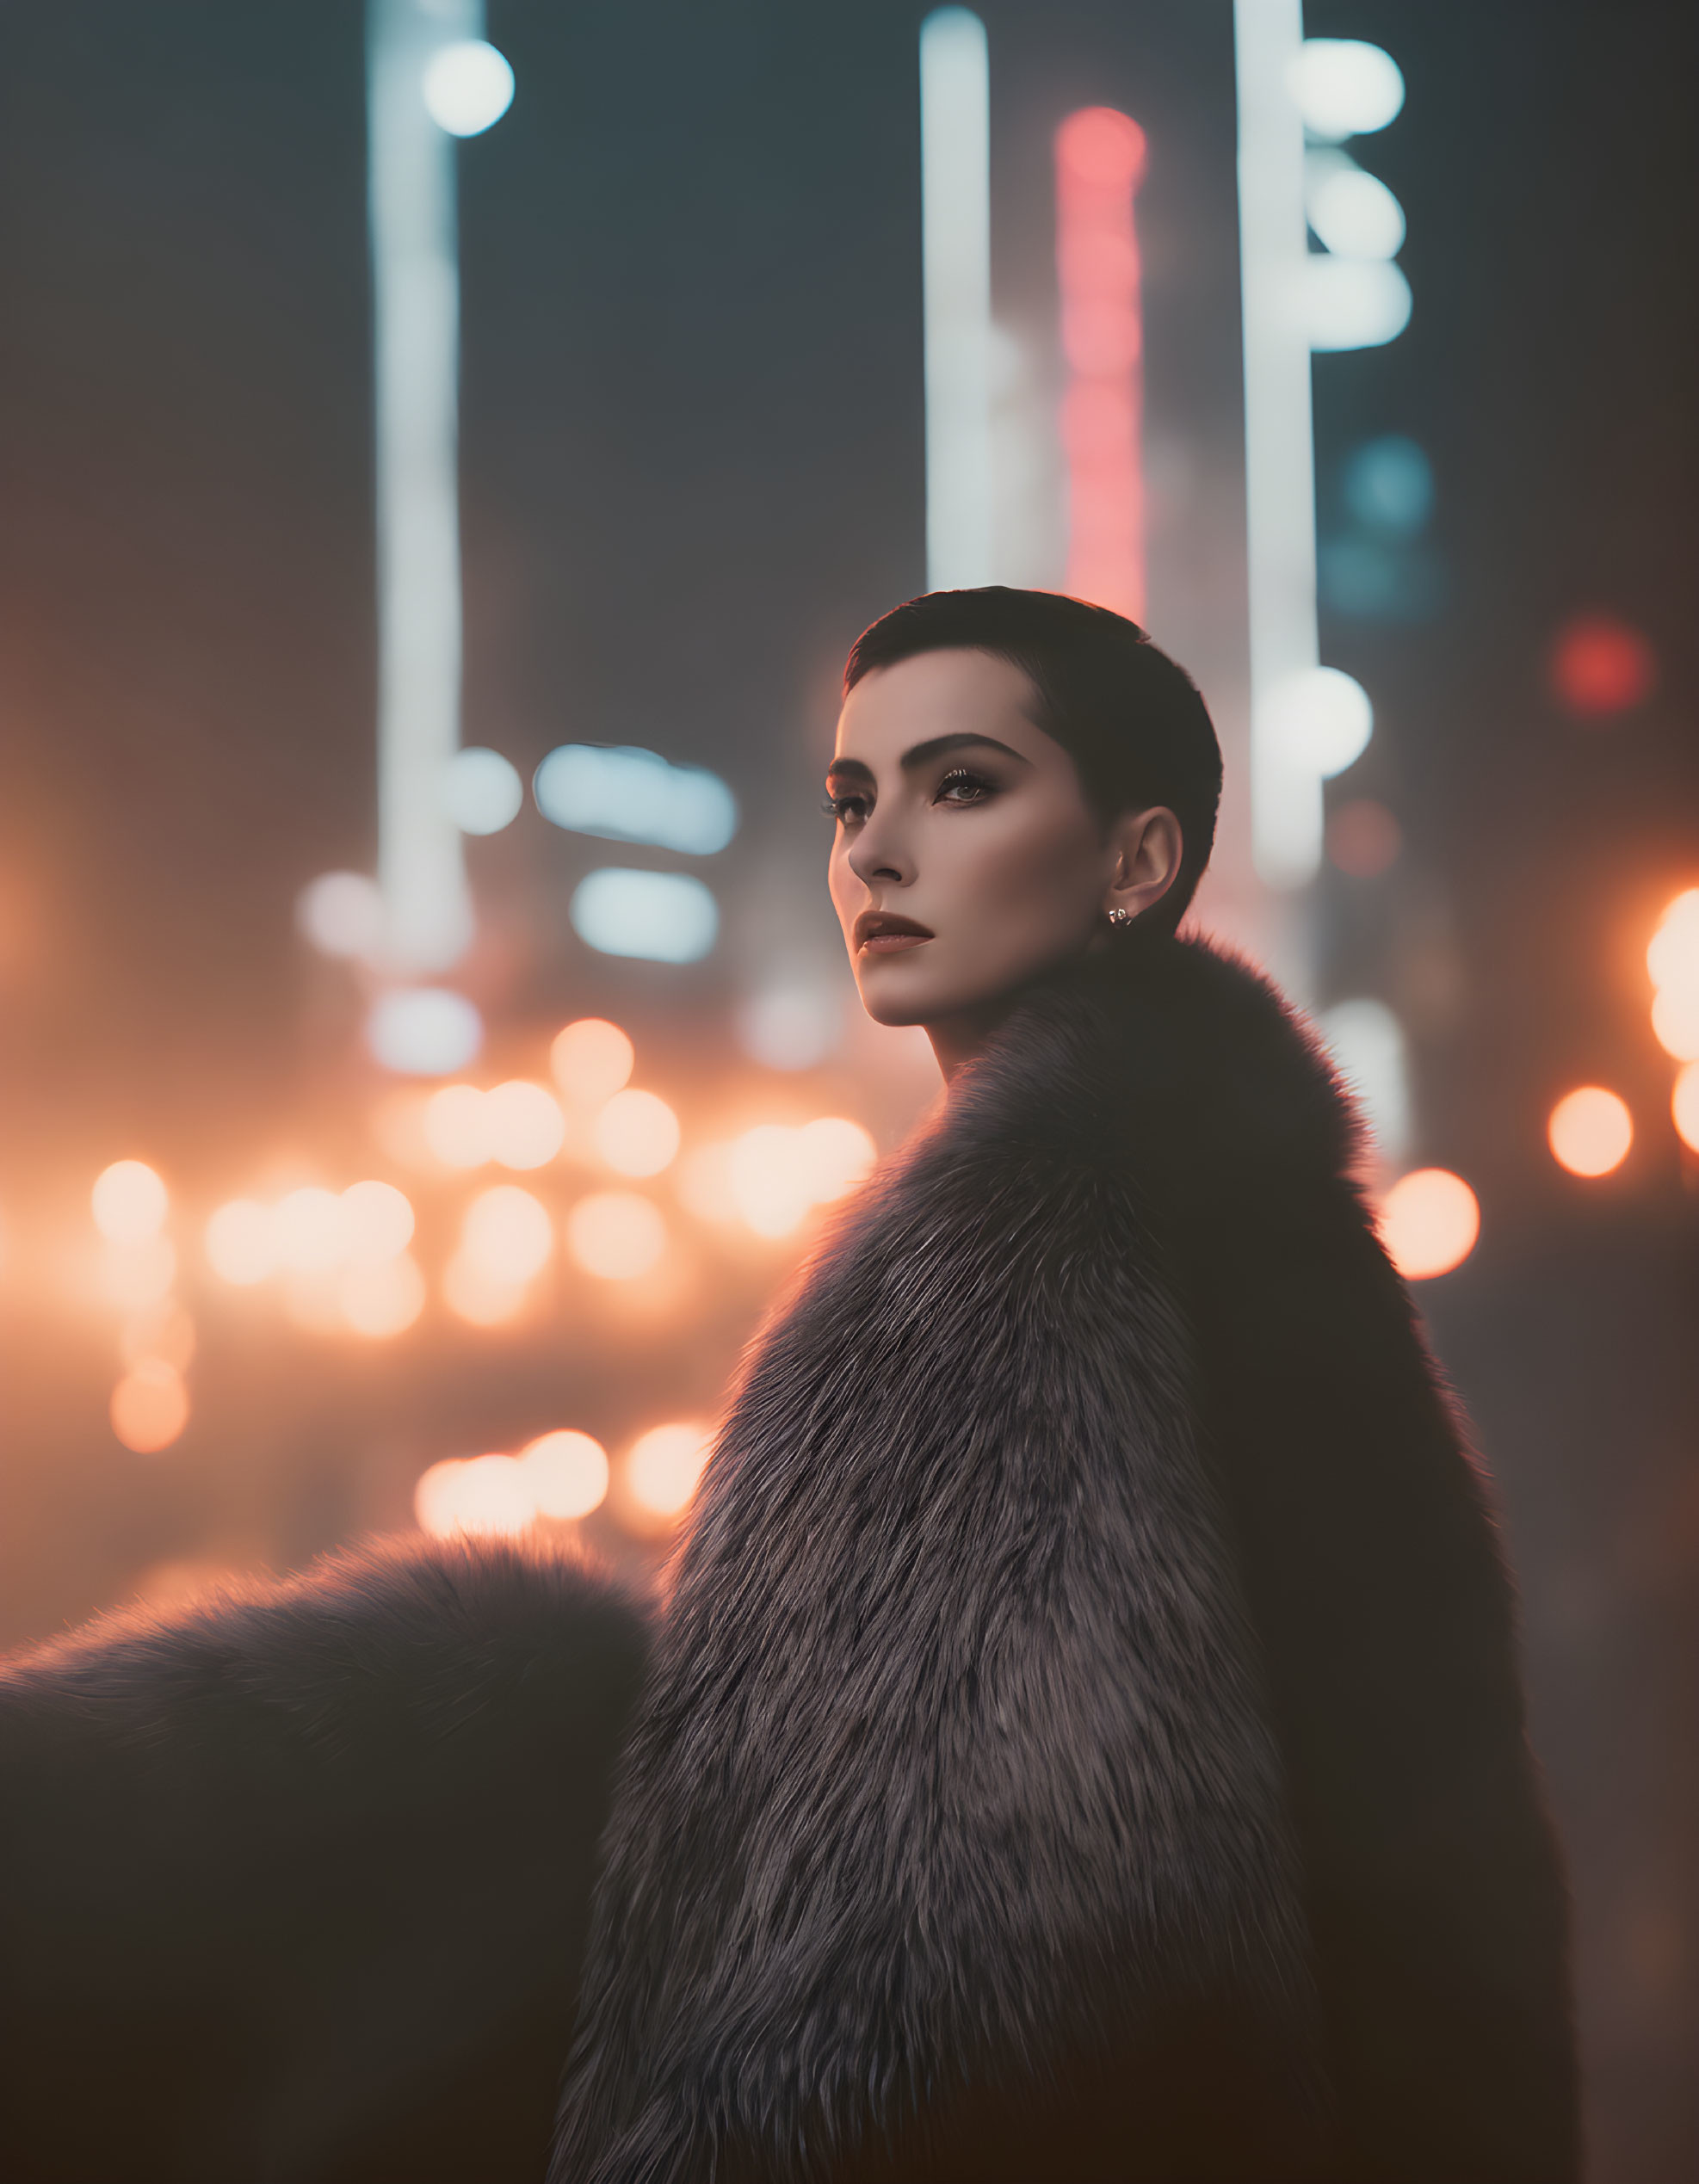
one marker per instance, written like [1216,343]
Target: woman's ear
[1147,848]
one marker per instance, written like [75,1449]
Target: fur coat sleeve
[295,1884]
[1084,1739]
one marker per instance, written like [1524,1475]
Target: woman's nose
[878,857]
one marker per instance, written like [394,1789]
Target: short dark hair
[1131,719]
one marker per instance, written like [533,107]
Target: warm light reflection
[590,1060]
[241,1245]
[456,1125]
[524,1123]
[1591,1131]
[129,1202]
[617,1235]
[487,1497]
[1675,1021]
[1684,1107]
[308,1225]
[566,1473]
[381,1297]
[507,1234]
[1672,956]
[1428,1222]
[377,1220]
[637,1133]
[776,1174]
[482,1300]
[662,1470]
[150,1406]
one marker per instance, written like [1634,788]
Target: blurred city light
[956,261]
[617,1235]
[663,916]
[1323,718]
[1589,1131]
[591,1059]
[1673,954]
[342,914]
[480,1298]
[1367,1042]
[664,1469]
[566,1473]
[1600,666]
[129,1202]
[150,1406]
[1352,303]
[425,1031]
[381,1297]
[637,1133]
[1389,486]
[507,1234]
[482,792]
[1352,212]
[1675,1021]
[1100,160]
[416,306]
[377,1220]
[468,86]
[1428,1222]
[790,1026]
[524,1125]
[487,1497]
[775,1174]
[1363,838]
[624,794]
[1684,1106]
[309,1227]
[1344,87]
[457,1122]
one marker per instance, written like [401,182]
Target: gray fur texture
[1085,1738]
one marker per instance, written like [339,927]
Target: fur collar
[953,1788]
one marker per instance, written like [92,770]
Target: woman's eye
[848,811]
[963,787]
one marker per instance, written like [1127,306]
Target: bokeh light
[1675,1021]
[656,916]
[1345,87]
[1589,1131]
[482,792]
[377,1220]
[242,1242]
[507,1234]
[591,1059]
[637,1133]
[626,794]
[486,1496]
[467,86]
[426,1031]
[342,915]
[1600,666]
[135,1276]
[617,1235]
[309,1228]
[566,1473]
[1428,1222]
[662,1470]
[1672,955]
[1363,838]
[129,1202]
[1352,212]
[473,1293]
[1389,486]
[163,1330]
[776,1173]
[381,1297]
[1684,1106]
[150,1406]
[1323,718]
[457,1125]
[523,1124]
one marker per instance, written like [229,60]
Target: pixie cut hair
[1130,717]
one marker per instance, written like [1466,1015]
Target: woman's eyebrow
[935,747]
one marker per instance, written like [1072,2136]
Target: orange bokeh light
[486,1496]
[662,1472]
[457,1126]
[1428,1222]
[525,1126]
[615,1234]
[566,1472]
[1684,1107]
[150,1406]
[1589,1131]
[381,1297]
[129,1202]
[637,1133]
[590,1060]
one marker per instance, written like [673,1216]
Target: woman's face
[966,858]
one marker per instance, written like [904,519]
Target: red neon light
[1100,160]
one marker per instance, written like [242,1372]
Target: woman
[1082,1738]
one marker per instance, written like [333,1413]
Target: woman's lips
[882,932]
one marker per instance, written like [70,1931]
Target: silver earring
[1119,916]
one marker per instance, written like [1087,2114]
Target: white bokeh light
[342,914]
[426,1031]
[1352,212]
[1323,718]
[1345,87]
[481,791]
[468,86]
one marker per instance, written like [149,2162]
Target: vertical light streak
[1100,161]
[955,251]
[1286,801]
[416,364]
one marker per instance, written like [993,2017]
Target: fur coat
[1083,1739]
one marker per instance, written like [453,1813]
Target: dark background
[692,469]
